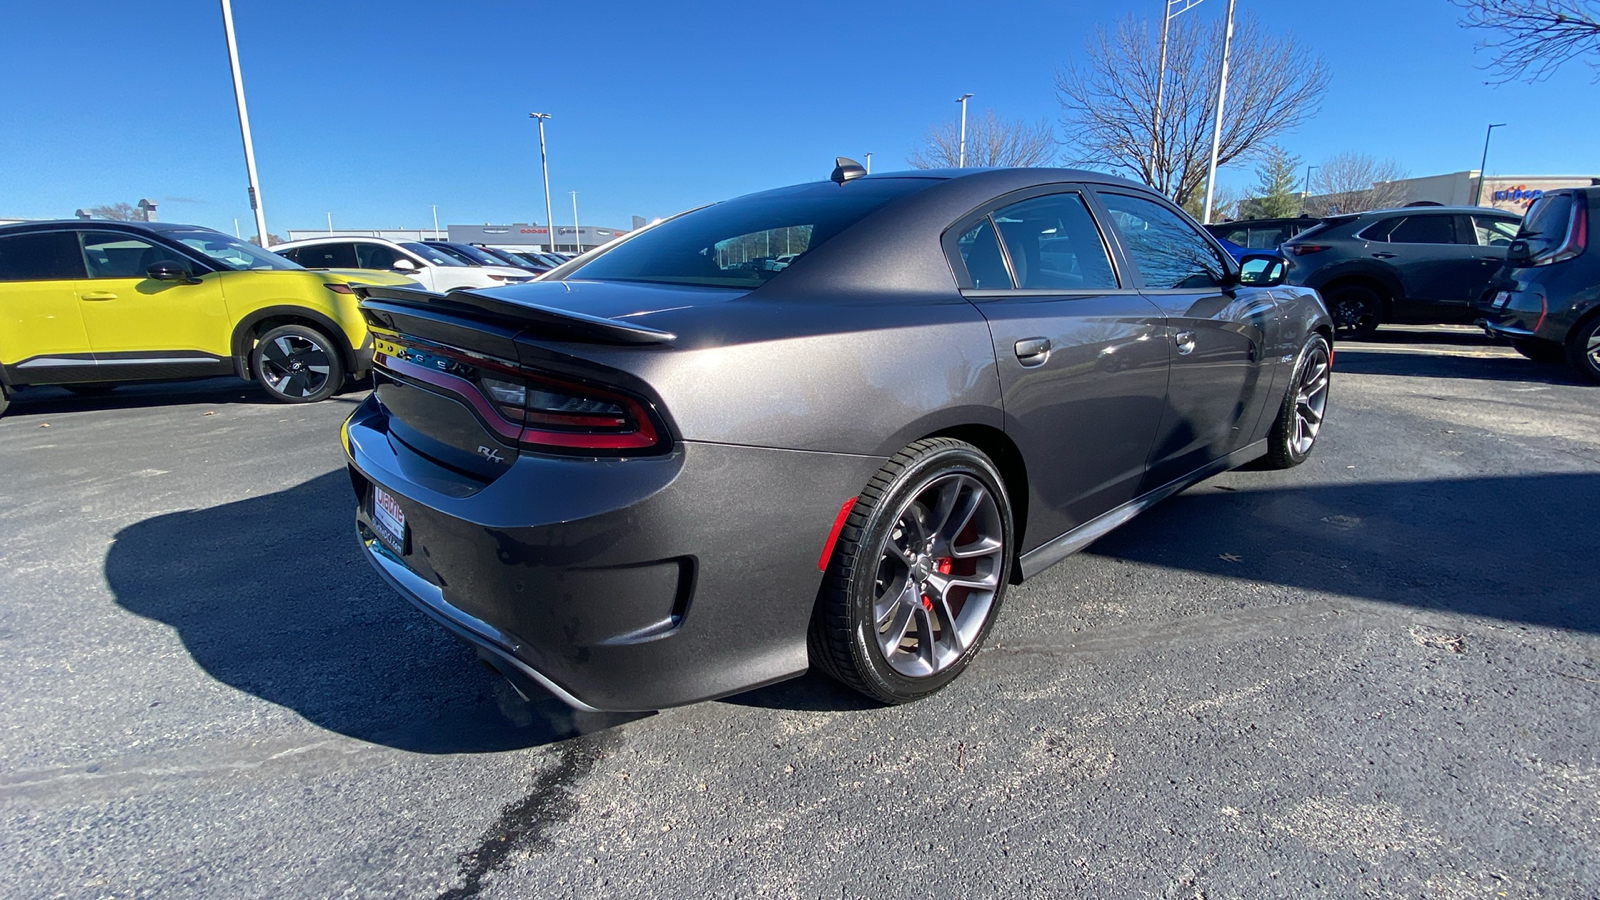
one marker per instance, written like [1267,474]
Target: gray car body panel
[638,583]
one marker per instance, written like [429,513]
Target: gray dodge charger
[824,425]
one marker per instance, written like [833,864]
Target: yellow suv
[88,304]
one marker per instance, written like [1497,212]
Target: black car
[1418,265]
[672,475]
[514,258]
[1547,297]
[1261,234]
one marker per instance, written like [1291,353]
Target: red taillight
[337,288]
[1304,249]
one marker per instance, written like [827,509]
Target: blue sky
[375,111]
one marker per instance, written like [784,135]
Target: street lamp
[435,220]
[869,163]
[244,126]
[1305,196]
[1216,125]
[576,234]
[1483,167]
[1167,15]
[961,159]
[544,165]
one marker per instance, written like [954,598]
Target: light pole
[961,158]
[244,125]
[1483,167]
[330,223]
[435,221]
[1305,198]
[1167,15]
[576,234]
[1216,125]
[549,218]
[869,163]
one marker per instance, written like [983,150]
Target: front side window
[109,254]
[1494,232]
[229,252]
[337,255]
[738,243]
[43,256]
[1054,245]
[1424,230]
[375,256]
[1171,254]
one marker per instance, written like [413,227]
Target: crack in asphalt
[522,825]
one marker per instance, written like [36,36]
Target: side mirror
[171,270]
[1262,270]
[1519,254]
[404,265]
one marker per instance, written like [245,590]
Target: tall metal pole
[1305,197]
[435,221]
[1216,126]
[576,234]
[244,125]
[961,158]
[1161,84]
[1483,167]
[869,163]
[544,165]
[330,223]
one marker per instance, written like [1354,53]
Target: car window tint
[1265,238]
[1424,230]
[1170,253]
[1494,232]
[1236,236]
[45,256]
[434,253]
[228,251]
[1054,245]
[980,253]
[109,254]
[1380,230]
[375,256]
[1546,224]
[327,256]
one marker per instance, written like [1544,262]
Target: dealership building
[517,236]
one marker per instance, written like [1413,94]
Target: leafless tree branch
[1107,99]
[1355,182]
[991,141]
[1533,38]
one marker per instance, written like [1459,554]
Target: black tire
[90,390]
[1540,350]
[1583,349]
[297,364]
[5,399]
[1304,407]
[874,585]
[1357,311]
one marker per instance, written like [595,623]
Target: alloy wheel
[294,365]
[1311,399]
[938,574]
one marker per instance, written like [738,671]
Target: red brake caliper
[942,566]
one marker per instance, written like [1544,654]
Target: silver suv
[1425,264]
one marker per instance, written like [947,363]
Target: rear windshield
[745,242]
[1545,226]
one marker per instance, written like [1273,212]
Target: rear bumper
[617,585]
[1517,314]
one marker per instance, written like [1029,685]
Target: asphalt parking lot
[1375,675]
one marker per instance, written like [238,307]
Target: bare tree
[1532,38]
[1108,99]
[991,141]
[121,212]
[1355,182]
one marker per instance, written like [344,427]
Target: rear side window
[375,256]
[327,256]
[1171,254]
[1267,238]
[1054,245]
[1424,230]
[1494,232]
[980,253]
[747,241]
[45,256]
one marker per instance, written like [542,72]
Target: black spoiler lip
[576,325]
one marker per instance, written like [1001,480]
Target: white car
[430,267]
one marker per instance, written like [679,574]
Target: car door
[1441,268]
[42,337]
[1221,334]
[1083,367]
[145,328]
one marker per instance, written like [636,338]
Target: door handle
[1383,256]
[1033,351]
[1185,342]
[97,295]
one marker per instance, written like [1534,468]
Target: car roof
[103,224]
[1431,210]
[323,239]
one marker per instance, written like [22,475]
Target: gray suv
[1426,264]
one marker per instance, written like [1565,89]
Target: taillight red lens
[1303,249]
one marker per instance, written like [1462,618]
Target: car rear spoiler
[570,324]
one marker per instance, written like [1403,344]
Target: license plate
[389,519]
[1501,299]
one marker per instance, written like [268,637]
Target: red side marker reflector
[833,534]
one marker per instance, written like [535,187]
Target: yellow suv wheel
[297,364]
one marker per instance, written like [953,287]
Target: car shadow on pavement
[1517,548]
[222,390]
[1358,359]
[271,596]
